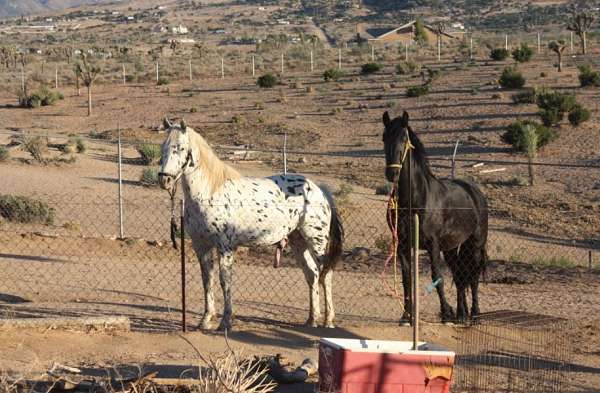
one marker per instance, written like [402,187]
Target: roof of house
[379,33]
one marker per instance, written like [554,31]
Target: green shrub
[163,81]
[515,134]
[522,54]
[371,68]
[42,97]
[550,117]
[4,153]
[408,67]
[150,153]
[267,81]
[149,177]
[417,91]
[527,96]
[25,210]
[499,54]
[332,74]
[588,77]
[511,78]
[553,106]
[578,115]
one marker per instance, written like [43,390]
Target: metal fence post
[124,78]
[454,159]
[285,152]
[182,239]
[120,156]
[415,310]
[253,67]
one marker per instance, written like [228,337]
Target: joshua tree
[440,29]
[419,34]
[77,72]
[558,47]
[89,73]
[580,24]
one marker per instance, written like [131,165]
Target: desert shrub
[588,77]
[25,210]
[4,153]
[149,177]
[36,146]
[522,54]
[578,115]
[408,67]
[550,117]
[511,78]
[499,54]
[163,81]
[553,106]
[79,144]
[150,153]
[332,74]
[516,132]
[193,109]
[384,189]
[371,68]
[527,96]
[238,119]
[383,243]
[417,91]
[42,97]
[267,81]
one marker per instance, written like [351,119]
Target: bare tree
[89,73]
[580,24]
[558,47]
[77,72]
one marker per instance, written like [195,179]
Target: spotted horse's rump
[224,210]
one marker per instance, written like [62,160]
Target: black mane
[419,154]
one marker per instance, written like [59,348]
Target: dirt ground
[540,239]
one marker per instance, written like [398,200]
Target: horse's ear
[387,122]
[183,125]
[166,123]
[405,118]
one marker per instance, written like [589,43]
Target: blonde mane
[215,170]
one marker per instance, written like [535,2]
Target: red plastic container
[371,366]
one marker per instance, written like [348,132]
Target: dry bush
[36,146]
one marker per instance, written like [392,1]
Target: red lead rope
[392,221]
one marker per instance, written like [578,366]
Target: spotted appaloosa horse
[224,210]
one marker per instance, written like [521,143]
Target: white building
[181,29]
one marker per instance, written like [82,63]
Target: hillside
[12,8]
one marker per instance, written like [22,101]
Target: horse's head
[396,142]
[176,154]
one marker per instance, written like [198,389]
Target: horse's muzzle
[392,174]
[165,181]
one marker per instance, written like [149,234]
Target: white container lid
[382,346]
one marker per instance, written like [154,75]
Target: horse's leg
[311,273]
[445,308]
[328,290]
[403,253]
[226,277]
[207,267]
[479,260]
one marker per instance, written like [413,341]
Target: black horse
[453,219]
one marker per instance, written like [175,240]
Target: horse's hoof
[311,323]
[404,322]
[329,325]
[206,323]
[225,325]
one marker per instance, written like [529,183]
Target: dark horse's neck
[415,178]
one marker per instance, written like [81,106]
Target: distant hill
[12,8]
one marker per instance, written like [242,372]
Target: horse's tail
[336,235]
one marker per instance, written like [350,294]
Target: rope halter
[407,146]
